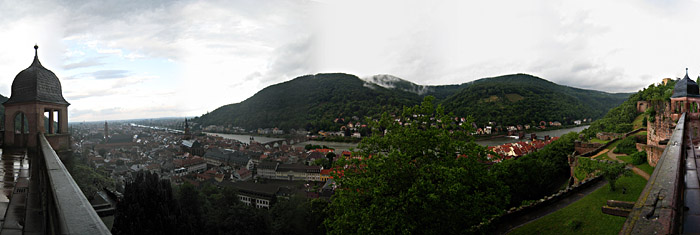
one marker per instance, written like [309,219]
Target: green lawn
[646,168]
[585,216]
[596,140]
[625,158]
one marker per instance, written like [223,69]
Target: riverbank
[551,133]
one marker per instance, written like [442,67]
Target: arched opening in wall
[21,124]
[682,107]
[51,121]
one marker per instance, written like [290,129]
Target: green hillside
[619,119]
[313,102]
[521,99]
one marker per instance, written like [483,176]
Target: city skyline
[128,60]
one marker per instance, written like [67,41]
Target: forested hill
[522,99]
[2,108]
[313,102]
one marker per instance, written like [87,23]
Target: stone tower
[36,96]
[187,130]
[106,132]
[685,98]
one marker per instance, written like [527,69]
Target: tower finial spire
[686,72]
[36,56]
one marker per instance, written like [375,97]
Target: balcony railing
[66,209]
[659,207]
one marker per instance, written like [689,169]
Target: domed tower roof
[685,87]
[36,83]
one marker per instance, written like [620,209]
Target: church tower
[106,132]
[36,96]
[187,130]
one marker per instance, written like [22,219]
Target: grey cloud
[102,74]
[154,28]
[87,94]
[110,74]
[291,60]
[89,62]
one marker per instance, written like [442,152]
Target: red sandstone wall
[585,147]
[660,129]
[642,106]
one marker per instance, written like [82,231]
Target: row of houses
[275,170]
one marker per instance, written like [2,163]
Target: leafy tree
[191,214]
[148,207]
[611,171]
[550,163]
[330,156]
[412,180]
[90,180]
[627,146]
[297,216]
[639,158]
[225,214]
[619,119]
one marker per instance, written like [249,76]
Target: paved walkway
[636,170]
[507,226]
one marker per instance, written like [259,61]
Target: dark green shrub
[627,146]
[639,158]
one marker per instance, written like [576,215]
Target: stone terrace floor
[14,193]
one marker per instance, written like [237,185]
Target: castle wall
[582,147]
[665,121]
[659,130]
[642,106]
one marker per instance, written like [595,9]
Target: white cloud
[130,59]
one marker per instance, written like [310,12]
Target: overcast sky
[142,59]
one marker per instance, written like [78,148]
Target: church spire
[36,56]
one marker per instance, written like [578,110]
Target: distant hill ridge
[313,102]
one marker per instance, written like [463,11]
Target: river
[340,146]
[245,138]
[540,135]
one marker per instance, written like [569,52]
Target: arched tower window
[21,124]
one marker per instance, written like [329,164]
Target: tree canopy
[423,176]
[620,118]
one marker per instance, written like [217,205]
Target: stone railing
[66,209]
[658,208]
